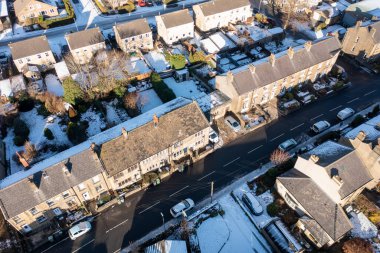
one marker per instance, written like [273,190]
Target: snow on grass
[148,100]
[54,85]
[95,120]
[368,128]
[221,41]
[213,233]
[157,61]
[186,89]
[362,226]
[115,115]
[56,43]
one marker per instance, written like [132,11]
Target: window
[118,175]
[50,203]
[26,228]
[357,39]
[99,188]
[147,35]
[41,219]
[20,61]
[126,40]
[33,211]
[47,53]
[51,10]
[95,179]
[353,49]
[81,187]
[28,59]
[17,219]
[70,203]
[66,194]
[39,56]
[57,211]
[140,36]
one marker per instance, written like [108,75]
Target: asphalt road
[140,213]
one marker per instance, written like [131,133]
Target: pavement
[140,213]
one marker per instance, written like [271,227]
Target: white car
[287,145]
[79,229]
[320,126]
[232,123]
[252,203]
[183,206]
[345,113]
[213,136]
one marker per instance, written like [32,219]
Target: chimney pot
[272,59]
[252,68]
[308,45]
[230,76]
[66,170]
[124,132]
[155,120]
[314,158]
[291,52]
[361,136]
[359,23]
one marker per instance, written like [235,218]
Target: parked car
[345,113]
[232,123]
[287,145]
[149,3]
[213,136]
[252,203]
[172,5]
[79,229]
[320,126]
[183,206]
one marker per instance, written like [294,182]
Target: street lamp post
[163,220]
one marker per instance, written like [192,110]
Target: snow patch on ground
[157,61]
[96,122]
[213,233]
[363,227]
[148,100]
[187,89]
[53,85]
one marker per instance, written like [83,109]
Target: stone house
[83,45]
[361,11]
[175,26]
[35,51]
[134,35]
[363,41]
[160,143]
[219,13]
[31,202]
[25,9]
[259,82]
[324,180]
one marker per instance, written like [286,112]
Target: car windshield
[187,204]
[213,135]
[235,124]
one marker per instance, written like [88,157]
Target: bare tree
[131,104]
[52,103]
[30,151]
[357,245]
[279,157]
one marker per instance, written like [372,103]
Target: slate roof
[314,228]
[329,215]
[219,6]
[177,18]
[20,197]
[244,80]
[84,38]
[28,47]
[328,152]
[133,28]
[147,140]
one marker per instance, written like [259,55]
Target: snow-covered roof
[209,46]
[3,8]
[98,139]
[221,41]
[62,70]
[368,128]
[5,88]
[276,30]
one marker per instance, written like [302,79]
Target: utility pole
[163,221]
[212,190]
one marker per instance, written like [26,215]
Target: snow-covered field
[148,100]
[187,89]
[232,232]
[53,85]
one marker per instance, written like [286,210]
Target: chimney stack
[338,180]
[358,24]
[66,170]
[124,132]
[230,77]
[290,52]
[361,136]
[155,120]
[33,184]
[314,158]
[272,59]
[308,45]
[252,68]
[22,160]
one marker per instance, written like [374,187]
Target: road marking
[333,109]
[146,209]
[369,93]
[254,149]
[316,117]
[178,191]
[206,175]
[118,250]
[275,138]
[291,129]
[83,246]
[121,223]
[352,100]
[52,246]
[231,162]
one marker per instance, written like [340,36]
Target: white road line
[316,117]
[231,162]
[275,138]
[369,93]
[333,109]
[178,191]
[118,250]
[291,129]
[254,149]
[121,223]
[206,175]
[52,246]
[146,209]
[352,100]
[83,246]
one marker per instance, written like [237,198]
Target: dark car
[172,5]
[149,3]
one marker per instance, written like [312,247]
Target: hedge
[177,61]
[130,7]
[101,7]
[163,91]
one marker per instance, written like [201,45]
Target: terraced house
[261,81]
[83,45]
[34,51]
[219,13]
[134,35]
[25,9]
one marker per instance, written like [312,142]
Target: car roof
[255,203]
[346,110]
[321,123]
[179,207]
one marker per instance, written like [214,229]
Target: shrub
[72,93]
[20,128]
[357,245]
[119,91]
[163,91]
[41,110]
[374,112]
[101,7]
[30,150]
[76,132]
[130,7]
[18,141]
[358,120]
[131,104]
[196,57]
[25,103]
[279,157]
[272,209]
[177,61]
[48,134]
[169,1]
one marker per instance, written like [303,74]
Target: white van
[320,126]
